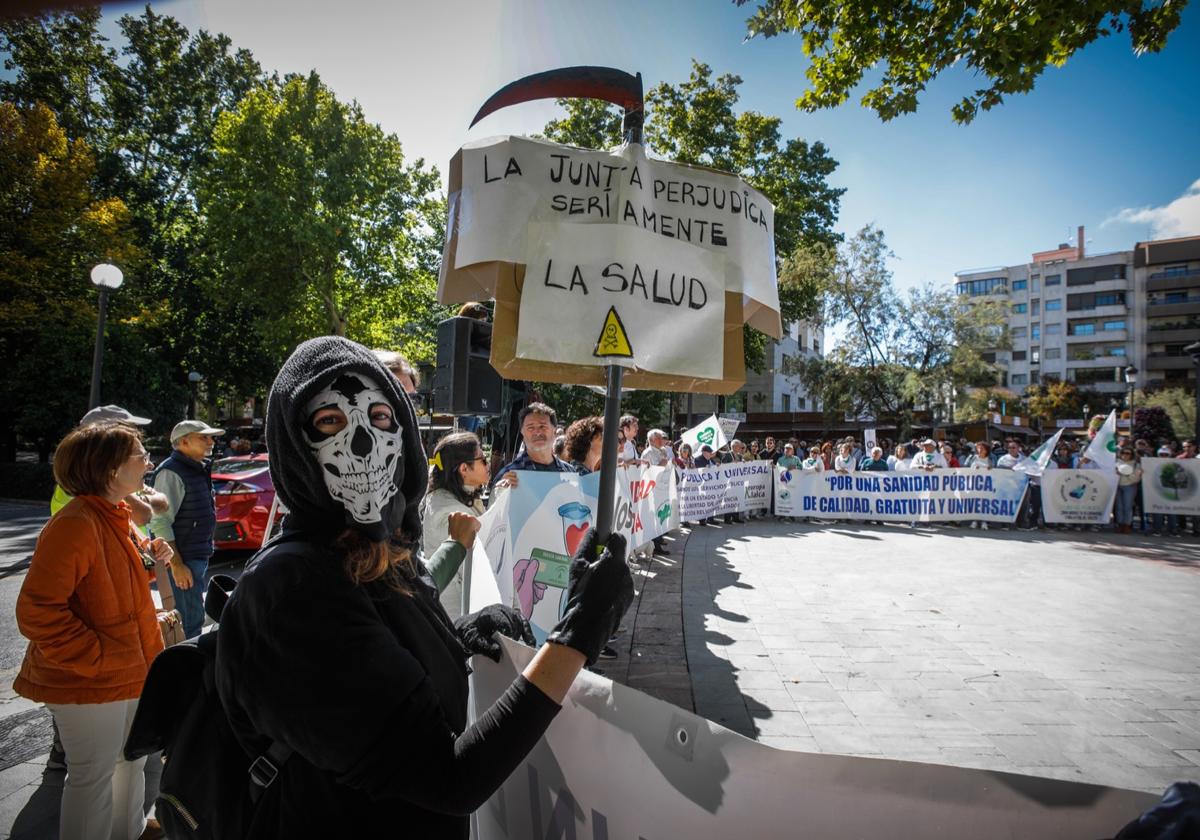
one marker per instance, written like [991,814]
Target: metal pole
[98,353]
[690,421]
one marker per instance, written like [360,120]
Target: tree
[1054,399]
[1009,45]
[1153,425]
[53,231]
[314,213]
[896,354]
[975,404]
[1179,405]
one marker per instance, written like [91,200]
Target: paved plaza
[1062,654]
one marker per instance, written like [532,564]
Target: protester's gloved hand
[600,591]
[476,630]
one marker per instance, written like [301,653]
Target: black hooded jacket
[366,684]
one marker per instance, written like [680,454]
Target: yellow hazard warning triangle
[613,340]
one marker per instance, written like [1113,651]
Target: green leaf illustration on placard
[707,435]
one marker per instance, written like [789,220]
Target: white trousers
[104,793]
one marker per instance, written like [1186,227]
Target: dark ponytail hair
[452,451]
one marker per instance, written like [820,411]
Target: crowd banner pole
[622,89]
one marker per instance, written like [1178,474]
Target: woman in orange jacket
[85,607]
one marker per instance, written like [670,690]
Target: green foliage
[895,354]
[1172,478]
[1008,45]
[314,213]
[1179,405]
[1054,399]
[973,405]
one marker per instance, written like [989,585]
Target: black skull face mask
[358,460]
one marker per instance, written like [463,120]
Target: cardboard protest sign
[1078,497]
[613,294]
[937,496]
[504,359]
[500,186]
[1171,485]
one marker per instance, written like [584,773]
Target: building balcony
[1163,282]
[1098,362]
[1104,387]
[1162,308]
[1106,336]
[1167,361]
[1171,336]
[1115,310]
[1118,284]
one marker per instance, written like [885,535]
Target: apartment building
[1168,271]
[1072,316]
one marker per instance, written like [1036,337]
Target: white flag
[708,433]
[1103,448]
[1035,464]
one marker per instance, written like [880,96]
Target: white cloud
[1179,218]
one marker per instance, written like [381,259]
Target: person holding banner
[334,645]
[813,463]
[537,422]
[1129,481]
[928,459]
[980,459]
[899,458]
[458,472]
[843,462]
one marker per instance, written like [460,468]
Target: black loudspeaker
[464,381]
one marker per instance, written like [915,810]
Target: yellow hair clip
[436,461]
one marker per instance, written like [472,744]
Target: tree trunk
[337,321]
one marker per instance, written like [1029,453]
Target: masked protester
[345,655]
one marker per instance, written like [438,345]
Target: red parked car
[244,495]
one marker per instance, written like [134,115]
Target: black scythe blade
[606,83]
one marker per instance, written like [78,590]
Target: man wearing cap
[928,458]
[142,504]
[190,520]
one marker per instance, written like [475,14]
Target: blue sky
[1111,141]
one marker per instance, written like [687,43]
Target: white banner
[724,488]
[1171,485]
[616,764]
[938,496]
[545,519]
[508,183]
[617,295]
[1078,497]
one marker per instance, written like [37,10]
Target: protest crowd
[360,592]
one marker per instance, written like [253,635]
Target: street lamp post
[194,380]
[1193,350]
[106,278]
[1131,374]
[1087,413]
[987,426]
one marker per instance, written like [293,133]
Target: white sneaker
[974,525]
[983,525]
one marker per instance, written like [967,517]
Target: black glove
[600,591]
[476,630]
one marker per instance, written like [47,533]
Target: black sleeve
[315,667]
[427,766]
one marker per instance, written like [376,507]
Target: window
[1053,353]
[1175,297]
[816,346]
[1054,305]
[989,286]
[1110,326]
[1083,329]
[787,402]
[1036,332]
[1035,308]
[1076,303]
[1054,329]
[1018,285]
[1175,271]
[1116,350]
[800,403]
[1019,378]
[1018,356]
[1053,279]
[1035,356]
[1019,332]
[1019,308]
[1113,299]
[1033,377]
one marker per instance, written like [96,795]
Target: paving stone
[844,739]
